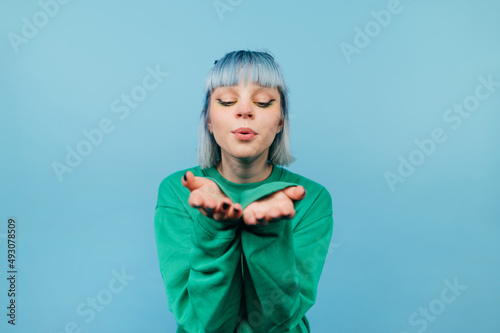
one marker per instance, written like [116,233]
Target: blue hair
[261,67]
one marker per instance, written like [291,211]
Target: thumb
[192,182]
[295,192]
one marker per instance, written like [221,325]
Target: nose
[245,110]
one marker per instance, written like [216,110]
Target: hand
[274,207]
[209,199]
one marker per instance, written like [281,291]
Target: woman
[241,245]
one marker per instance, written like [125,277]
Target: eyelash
[259,104]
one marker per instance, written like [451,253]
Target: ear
[209,124]
[280,125]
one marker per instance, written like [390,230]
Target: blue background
[354,116]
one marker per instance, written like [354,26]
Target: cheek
[276,119]
[214,116]
[218,122]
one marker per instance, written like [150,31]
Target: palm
[209,199]
[274,207]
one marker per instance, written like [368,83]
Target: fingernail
[305,192]
[286,216]
[225,206]
[236,210]
[185,178]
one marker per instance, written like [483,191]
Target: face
[245,119]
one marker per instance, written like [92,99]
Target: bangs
[259,68]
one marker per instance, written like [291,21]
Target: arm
[283,264]
[200,264]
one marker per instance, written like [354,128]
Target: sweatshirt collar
[214,173]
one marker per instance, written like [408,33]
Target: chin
[244,154]
[248,157]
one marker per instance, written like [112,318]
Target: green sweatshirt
[228,277]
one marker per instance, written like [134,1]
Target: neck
[240,172]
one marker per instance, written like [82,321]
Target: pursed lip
[245,130]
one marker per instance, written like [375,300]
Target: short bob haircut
[261,69]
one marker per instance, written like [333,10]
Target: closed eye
[265,104]
[225,103]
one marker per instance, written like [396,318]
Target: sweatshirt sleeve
[283,265]
[204,293]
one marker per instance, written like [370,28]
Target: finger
[281,209]
[222,210]
[237,211]
[263,222]
[274,215]
[192,182]
[249,217]
[195,200]
[206,212]
[233,213]
[186,180]
[199,199]
[209,206]
[288,214]
[260,216]
[287,209]
[206,205]
[295,192]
